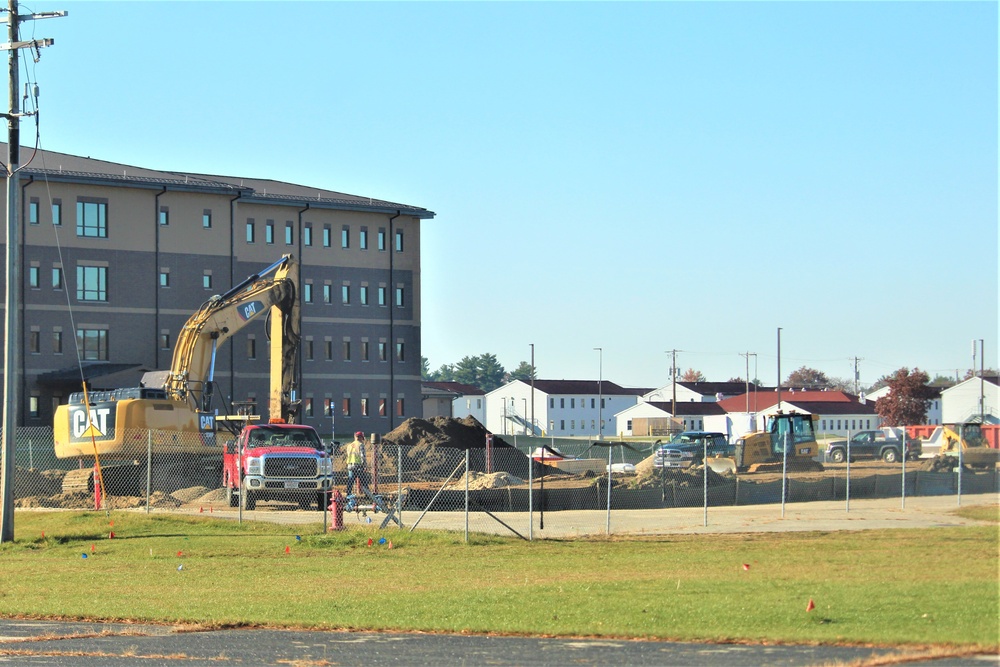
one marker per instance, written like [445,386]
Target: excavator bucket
[722,465]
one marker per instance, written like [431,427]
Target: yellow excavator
[170,414]
[764,451]
[968,438]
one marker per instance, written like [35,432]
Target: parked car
[873,445]
[688,448]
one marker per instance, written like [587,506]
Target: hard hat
[359,434]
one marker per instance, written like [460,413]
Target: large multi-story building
[116,258]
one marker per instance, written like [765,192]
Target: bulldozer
[764,451]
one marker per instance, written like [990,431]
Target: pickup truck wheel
[322,501]
[838,456]
[251,501]
[232,498]
[890,456]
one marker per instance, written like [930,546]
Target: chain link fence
[500,489]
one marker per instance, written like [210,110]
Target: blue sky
[638,177]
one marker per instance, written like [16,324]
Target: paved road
[61,644]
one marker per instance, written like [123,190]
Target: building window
[399,351]
[399,240]
[308,406]
[93,344]
[363,238]
[34,277]
[164,216]
[364,350]
[92,283]
[251,347]
[347,350]
[164,278]
[345,294]
[307,234]
[206,219]
[269,232]
[307,293]
[33,205]
[165,340]
[345,406]
[329,349]
[399,407]
[35,340]
[92,218]
[289,233]
[327,293]
[381,295]
[364,295]
[309,349]
[206,280]
[345,237]
[364,407]
[57,341]
[33,407]
[57,212]
[381,239]
[572,403]
[381,407]
[327,236]
[382,351]
[57,279]
[251,231]
[399,297]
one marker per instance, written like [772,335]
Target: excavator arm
[192,369]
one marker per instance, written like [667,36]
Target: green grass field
[914,587]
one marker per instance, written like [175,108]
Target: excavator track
[79,481]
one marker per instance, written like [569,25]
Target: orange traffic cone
[810,606]
[111,535]
[288,549]
[370,542]
[201,510]
[390,544]
[746,566]
[91,548]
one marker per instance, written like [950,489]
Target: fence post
[704,476]
[466,496]
[531,496]
[149,467]
[399,484]
[847,490]
[960,447]
[903,501]
[609,488]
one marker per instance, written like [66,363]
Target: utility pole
[12,327]
[747,355]
[856,376]
[673,378]
[532,388]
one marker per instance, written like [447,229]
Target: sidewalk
[868,514]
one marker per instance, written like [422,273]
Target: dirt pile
[31,482]
[465,433]
[429,449]
[942,463]
[479,481]
[653,478]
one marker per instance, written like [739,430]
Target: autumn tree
[691,375]
[807,378]
[908,398]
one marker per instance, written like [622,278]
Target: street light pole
[600,393]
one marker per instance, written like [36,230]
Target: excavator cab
[790,430]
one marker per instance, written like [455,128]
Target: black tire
[251,501]
[232,497]
[890,455]
[838,455]
[322,501]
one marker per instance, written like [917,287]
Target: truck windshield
[284,438]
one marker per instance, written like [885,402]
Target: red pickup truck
[279,462]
